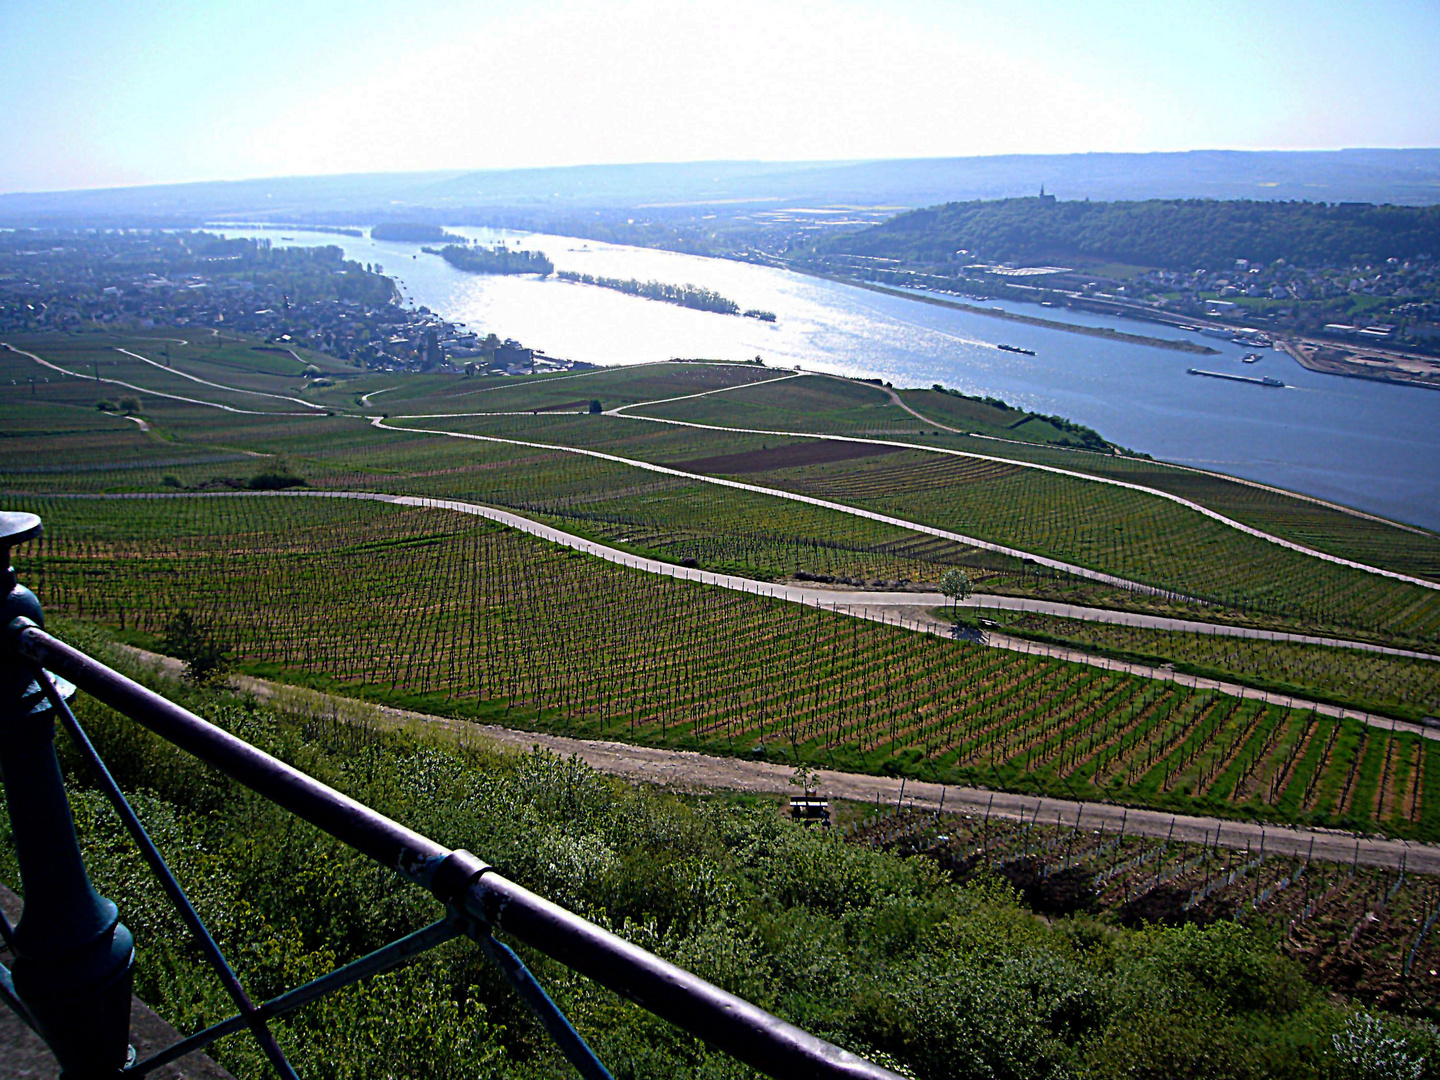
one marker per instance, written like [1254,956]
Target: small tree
[806,778]
[275,477]
[192,641]
[956,585]
[595,406]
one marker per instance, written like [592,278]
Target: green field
[860,695]
[1131,534]
[439,611]
[901,959]
[1400,686]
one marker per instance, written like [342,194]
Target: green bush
[884,955]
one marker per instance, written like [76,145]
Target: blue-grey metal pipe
[381,959]
[351,822]
[576,1050]
[11,1000]
[161,870]
[725,1021]
[73,957]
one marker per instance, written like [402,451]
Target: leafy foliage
[690,296]
[1178,234]
[884,955]
[497,260]
[197,645]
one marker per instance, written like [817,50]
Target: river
[1369,445]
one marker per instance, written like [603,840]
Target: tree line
[497,260]
[1178,234]
[690,296]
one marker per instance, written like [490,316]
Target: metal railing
[74,959]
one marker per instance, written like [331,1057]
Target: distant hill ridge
[1177,234]
[1405,176]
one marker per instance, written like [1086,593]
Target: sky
[95,93]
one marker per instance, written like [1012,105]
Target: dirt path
[809,500]
[221,386]
[143,389]
[1158,493]
[683,770]
[906,611]
[619,410]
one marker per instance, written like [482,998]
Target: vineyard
[1396,685]
[59,442]
[810,403]
[442,612]
[1115,530]
[1362,931]
[1348,535]
[1127,533]
[833,406]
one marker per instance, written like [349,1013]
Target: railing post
[73,957]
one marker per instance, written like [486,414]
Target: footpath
[688,771]
[906,610]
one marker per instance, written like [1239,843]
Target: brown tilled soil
[790,456]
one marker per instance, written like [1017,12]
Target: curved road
[810,500]
[1158,493]
[222,386]
[687,770]
[908,611]
[146,389]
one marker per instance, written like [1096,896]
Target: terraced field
[1399,686]
[436,610]
[1115,530]
[1124,532]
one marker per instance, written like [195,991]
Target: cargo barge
[1016,349]
[1265,380]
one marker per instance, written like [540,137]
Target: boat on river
[1264,380]
[1016,349]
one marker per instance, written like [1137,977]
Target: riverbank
[1030,320]
[1328,360]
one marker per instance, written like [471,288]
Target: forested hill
[1173,234]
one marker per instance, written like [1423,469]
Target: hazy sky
[100,93]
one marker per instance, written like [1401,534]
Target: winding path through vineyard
[157,393]
[809,500]
[687,770]
[623,412]
[905,610]
[1158,493]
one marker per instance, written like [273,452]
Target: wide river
[1365,444]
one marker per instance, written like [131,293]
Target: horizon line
[795,162]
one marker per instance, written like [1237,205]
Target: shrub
[195,643]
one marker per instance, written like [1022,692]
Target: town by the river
[1365,444]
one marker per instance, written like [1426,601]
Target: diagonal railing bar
[576,1050]
[9,997]
[162,872]
[382,959]
[457,878]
